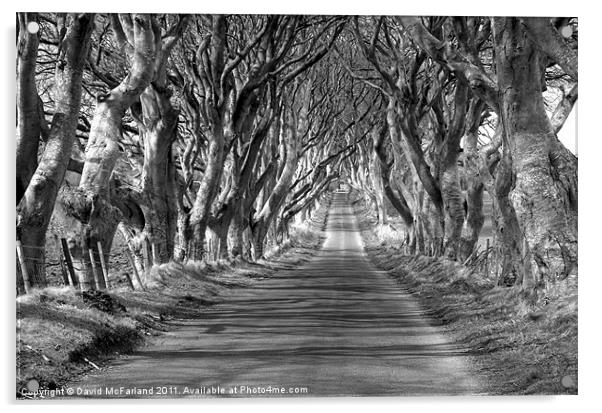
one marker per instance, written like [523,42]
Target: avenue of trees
[213,133]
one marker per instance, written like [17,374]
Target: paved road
[334,326]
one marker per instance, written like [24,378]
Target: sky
[568,134]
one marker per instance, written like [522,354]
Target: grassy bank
[519,346]
[62,333]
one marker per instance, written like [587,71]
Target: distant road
[334,326]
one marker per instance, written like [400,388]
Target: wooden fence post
[73,280]
[24,271]
[146,257]
[154,253]
[103,264]
[133,264]
[94,269]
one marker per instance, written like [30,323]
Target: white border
[590,148]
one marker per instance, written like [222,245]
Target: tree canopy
[211,134]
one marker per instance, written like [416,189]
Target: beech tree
[544,194]
[94,214]
[426,104]
[36,205]
[28,115]
[545,191]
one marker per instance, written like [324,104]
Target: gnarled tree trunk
[264,218]
[36,207]
[200,213]
[473,198]
[397,199]
[28,118]
[96,217]
[514,257]
[453,208]
[545,190]
[159,120]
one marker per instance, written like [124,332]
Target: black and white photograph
[265,205]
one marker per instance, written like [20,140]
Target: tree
[28,116]
[428,104]
[545,191]
[91,206]
[35,207]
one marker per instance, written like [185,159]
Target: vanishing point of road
[334,326]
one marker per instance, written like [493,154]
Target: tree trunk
[200,213]
[474,217]
[183,234]
[159,124]
[515,263]
[264,218]
[545,191]
[258,246]
[453,209]
[473,182]
[135,243]
[449,175]
[235,235]
[28,120]
[96,217]
[88,220]
[35,208]
[220,247]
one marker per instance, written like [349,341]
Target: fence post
[154,253]
[103,264]
[73,280]
[218,248]
[94,269]
[146,258]
[64,271]
[24,273]
[133,264]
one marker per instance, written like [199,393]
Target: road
[335,326]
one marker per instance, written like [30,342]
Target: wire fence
[90,270]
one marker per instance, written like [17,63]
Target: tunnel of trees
[212,134]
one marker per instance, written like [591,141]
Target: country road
[335,326]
